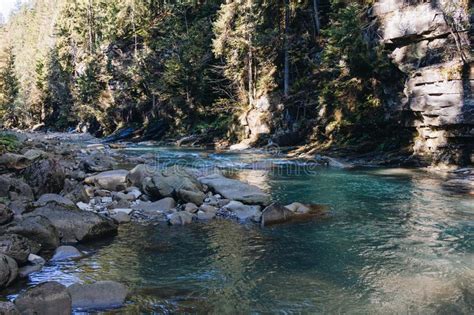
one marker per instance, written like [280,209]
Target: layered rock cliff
[430,43]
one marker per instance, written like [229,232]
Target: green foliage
[8,86]
[8,142]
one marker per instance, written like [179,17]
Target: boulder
[162,205]
[66,253]
[136,176]
[98,295]
[35,264]
[244,212]
[38,229]
[45,176]
[274,214]
[75,225]
[206,215]
[14,189]
[14,162]
[34,154]
[8,308]
[75,191]
[180,218]
[120,217]
[20,206]
[169,181]
[53,198]
[6,215]
[115,180]
[236,190]
[297,207]
[191,207]
[196,197]
[97,162]
[16,247]
[49,298]
[8,270]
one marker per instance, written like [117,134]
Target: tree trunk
[286,71]
[317,23]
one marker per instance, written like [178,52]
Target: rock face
[236,190]
[99,295]
[75,225]
[49,298]
[438,102]
[8,270]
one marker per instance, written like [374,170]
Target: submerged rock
[66,253]
[75,225]
[8,270]
[49,298]
[98,295]
[275,213]
[236,190]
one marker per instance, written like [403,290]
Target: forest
[322,73]
[193,67]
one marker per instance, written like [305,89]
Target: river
[394,241]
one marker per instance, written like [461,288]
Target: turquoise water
[394,242]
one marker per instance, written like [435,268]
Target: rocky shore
[58,190]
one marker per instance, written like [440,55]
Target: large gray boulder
[8,270]
[169,182]
[45,176]
[75,225]
[98,295]
[115,180]
[136,176]
[38,229]
[49,298]
[236,190]
[15,246]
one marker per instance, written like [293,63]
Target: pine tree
[9,86]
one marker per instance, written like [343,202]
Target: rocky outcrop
[429,42]
[8,270]
[38,229]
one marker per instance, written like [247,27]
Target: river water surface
[394,242]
